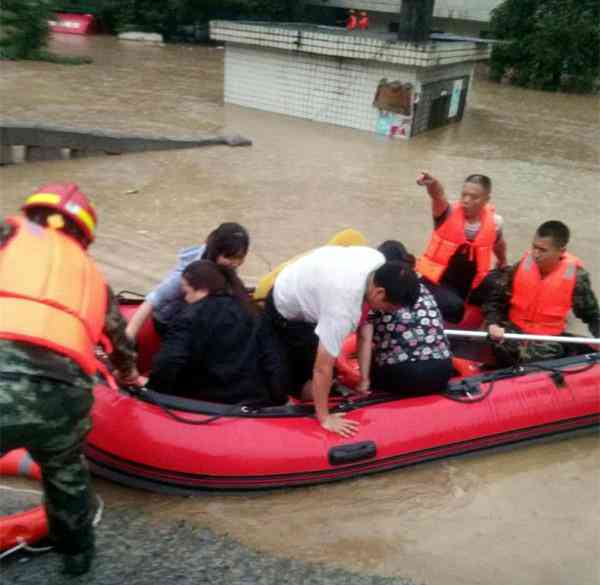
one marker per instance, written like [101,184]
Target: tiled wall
[321,88]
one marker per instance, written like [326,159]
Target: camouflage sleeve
[496,304]
[585,304]
[6,231]
[123,355]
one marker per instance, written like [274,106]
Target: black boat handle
[352,453]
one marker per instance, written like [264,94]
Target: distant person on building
[466,236]
[227,245]
[352,20]
[536,294]
[363,21]
[315,304]
[54,310]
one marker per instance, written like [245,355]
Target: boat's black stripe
[113,465]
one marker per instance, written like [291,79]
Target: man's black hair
[482,180]
[395,251]
[400,282]
[556,230]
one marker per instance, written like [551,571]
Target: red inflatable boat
[166,443]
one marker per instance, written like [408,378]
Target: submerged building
[396,83]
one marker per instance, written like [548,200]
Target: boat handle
[351,453]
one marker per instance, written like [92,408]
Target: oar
[523,337]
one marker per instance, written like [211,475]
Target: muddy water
[525,516]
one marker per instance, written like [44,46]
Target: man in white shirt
[315,304]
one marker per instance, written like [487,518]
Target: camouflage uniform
[45,403]
[496,308]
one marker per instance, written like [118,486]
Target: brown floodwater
[526,515]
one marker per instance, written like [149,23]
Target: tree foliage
[24,28]
[550,44]
[168,16]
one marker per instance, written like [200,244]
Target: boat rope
[142,392]
[467,393]
[22,543]
[24,546]
[21,490]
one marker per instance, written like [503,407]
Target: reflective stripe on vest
[541,305]
[53,294]
[450,236]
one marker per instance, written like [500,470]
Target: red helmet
[68,200]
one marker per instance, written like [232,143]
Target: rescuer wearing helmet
[54,308]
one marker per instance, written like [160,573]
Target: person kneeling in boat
[216,348]
[535,296]
[55,307]
[466,235]
[405,351]
[315,304]
[227,246]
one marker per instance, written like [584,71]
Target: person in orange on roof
[363,21]
[352,21]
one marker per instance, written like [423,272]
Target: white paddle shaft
[523,336]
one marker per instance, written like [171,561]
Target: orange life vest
[351,22]
[51,293]
[541,305]
[450,236]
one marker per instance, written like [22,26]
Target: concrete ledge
[337,42]
[48,143]
[6,155]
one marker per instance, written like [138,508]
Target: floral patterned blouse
[410,334]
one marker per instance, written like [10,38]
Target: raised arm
[439,202]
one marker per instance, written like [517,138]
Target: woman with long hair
[226,246]
[216,349]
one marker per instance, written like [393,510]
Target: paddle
[523,337]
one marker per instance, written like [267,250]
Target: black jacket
[216,351]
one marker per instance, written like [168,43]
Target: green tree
[549,44]
[24,28]
[167,16]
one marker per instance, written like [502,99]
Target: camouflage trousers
[512,352]
[50,418]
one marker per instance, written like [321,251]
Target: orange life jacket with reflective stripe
[450,236]
[541,305]
[51,293]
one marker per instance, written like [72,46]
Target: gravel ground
[134,550]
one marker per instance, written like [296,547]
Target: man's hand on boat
[131,378]
[496,333]
[337,423]
[363,388]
